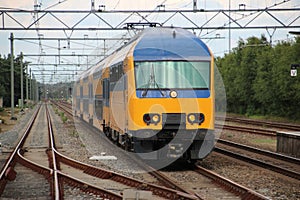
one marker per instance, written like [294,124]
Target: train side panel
[85,99]
[98,99]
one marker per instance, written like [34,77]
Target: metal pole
[229,29]
[30,85]
[12,74]
[37,91]
[27,84]
[22,94]
[33,89]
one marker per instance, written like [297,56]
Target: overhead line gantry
[191,17]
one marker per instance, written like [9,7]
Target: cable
[116,5]
[244,16]
[59,2]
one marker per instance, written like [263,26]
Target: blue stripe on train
[180,93]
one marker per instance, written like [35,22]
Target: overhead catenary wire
[109,46]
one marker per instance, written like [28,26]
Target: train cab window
[172,74]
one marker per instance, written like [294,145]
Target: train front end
[171,97]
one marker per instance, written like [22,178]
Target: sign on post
[293,72]
[294,69]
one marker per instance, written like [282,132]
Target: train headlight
[155,118]
[191,118]
[150,118]
[196,118]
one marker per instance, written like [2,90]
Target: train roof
[158,43]
[169,44]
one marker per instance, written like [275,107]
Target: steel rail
[294,127]
[59,177]
[45,171]
[105,174]
[168,182]
[229,185]
[261,152]
[286,172]
[173,191]
[10,162]
[161,177]
[84,186]
[56,189]
[16,156]
[243,192]
[88,188]
[248,130]
[66,109]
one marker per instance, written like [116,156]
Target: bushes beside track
[257,78]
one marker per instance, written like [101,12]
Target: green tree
[5,80]
[257,78]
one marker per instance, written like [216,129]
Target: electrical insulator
[194,4]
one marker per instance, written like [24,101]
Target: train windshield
[172,75]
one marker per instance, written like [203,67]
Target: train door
[117,115]
[106,87]
[125,96]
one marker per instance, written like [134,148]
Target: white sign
[103,158]
[293,72]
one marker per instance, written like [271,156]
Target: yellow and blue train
[153,96]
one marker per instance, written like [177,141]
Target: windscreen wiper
[152,81]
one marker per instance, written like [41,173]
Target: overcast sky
[218,47]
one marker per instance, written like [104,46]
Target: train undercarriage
[165,144]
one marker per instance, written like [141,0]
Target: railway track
[51,170]
[259,131]
[205,184]
[279,163]
[8,173]
[61,170]
[288,126]
[65,107]
[232,190]
[239,190]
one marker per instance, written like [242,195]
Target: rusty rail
[7,172]
[243,192]
[261,151]
[278,169]
[56,189]
[48,174]
[294,127]
[105,174]
[257,131]
[176,191]
[54,176]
